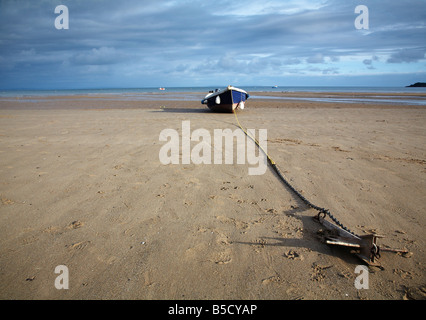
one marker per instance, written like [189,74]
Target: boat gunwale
[229,88]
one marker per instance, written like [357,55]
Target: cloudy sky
[152,43]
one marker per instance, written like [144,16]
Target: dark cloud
[407,55]
[369,62]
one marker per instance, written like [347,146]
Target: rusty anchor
[365,246]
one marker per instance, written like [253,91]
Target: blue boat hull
[226,101]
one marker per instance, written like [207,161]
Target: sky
[171,43]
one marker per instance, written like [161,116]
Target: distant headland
[417,84]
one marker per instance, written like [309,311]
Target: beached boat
[226,100]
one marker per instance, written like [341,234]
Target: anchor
[365,246]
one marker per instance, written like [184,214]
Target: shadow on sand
[311,230]
[310,239]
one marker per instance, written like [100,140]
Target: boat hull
[226,100]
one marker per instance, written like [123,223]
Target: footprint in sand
[75,224]
[242,225]
[54,230]
[217,251]
[223,253]
[222,258]
[79,245]
[6,201]
[293,255]
[273,279]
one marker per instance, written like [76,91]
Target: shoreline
[191,100]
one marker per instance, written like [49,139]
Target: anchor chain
[307,202]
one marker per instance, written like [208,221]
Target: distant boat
[226,100]
[275,87]
[161,88]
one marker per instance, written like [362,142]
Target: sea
[197,93]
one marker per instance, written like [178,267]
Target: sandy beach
[81,185]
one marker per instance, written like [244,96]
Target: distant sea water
[196,93]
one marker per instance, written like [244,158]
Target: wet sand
[81,185]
